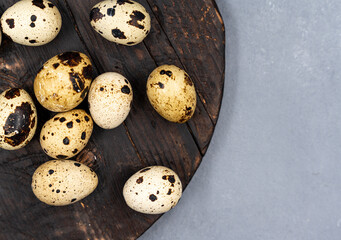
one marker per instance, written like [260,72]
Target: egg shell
[63,182]
[18,119]
[172,94]
[66,134]
[32,22]
[64,81]
[153,190]
[121,21]
[110,99]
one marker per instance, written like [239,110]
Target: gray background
[273,169]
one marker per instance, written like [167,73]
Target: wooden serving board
[189,34]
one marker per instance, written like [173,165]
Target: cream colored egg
[153,190]
[64,81]
[18,119]
[121,21]
[63,182]
[66,134]
[110,99]
[32,22]
[172,94]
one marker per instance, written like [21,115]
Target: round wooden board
[189,34]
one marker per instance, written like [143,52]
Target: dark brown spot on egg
[32,41]
[136,16]
[117,33]
[101,89]
[77,82]
[71,59]
[12,93]
[50,5]
[188,80]
[121,2]
[44,138]
[85,91]
[10,22]
[75,151]
[188,111]
[62,119]
[139,180]
[157,192]
[61,156]
[66,141]
[145,170]
[17,125]
[111,11]
[32,25]
[57,191]
[161,85]
[50,185]
[38,3]
[51,171]
[86,118]
[152,197]
[33,18]
[73,199]
[169,192]
[83,136]
[168,73]
[56,118]
[77,164]
[96,14]
[170,178]
[87,72]
[130,43]
[125,89]
[55,65]
[77,120]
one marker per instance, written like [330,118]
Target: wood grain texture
[189,34]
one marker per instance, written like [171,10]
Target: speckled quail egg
[153,190]
[63,182]
[64,81]
[121,21]
[18,119]
[110,99]
[172,94]
[66,134]
[32,22]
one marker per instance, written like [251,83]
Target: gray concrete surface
[273,170]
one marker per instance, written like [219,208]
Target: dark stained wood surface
[189,34]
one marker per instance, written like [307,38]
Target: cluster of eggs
[63,83]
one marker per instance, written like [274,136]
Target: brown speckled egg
[18,119]
[66,134]
[32,22]
[110,99]
[63,182]
[153,190]
[124,22]
[64,81]
[172,94]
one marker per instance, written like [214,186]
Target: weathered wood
[189,34]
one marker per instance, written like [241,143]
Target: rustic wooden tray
[189,34]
